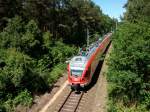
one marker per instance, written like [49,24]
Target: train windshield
[76,73]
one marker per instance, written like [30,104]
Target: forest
[36,38]
[129,62]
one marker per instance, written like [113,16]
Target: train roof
[85,54]
[82,59]
[78,62]
[79,59]
[90,49]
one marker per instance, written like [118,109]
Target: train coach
[82,67]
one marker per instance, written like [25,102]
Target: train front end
[77,72]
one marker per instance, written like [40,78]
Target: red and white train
[82,67]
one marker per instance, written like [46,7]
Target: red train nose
[76,79]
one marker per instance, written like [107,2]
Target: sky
[114,8]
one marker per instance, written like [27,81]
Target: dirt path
[101,93]
[41,100]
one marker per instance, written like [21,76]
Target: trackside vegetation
[29,62]
[129,62]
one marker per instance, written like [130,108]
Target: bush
[30,62]
[60,52]
[8,106]
[25,37]
[23,98]
[16,66]
[56,72]
[119,107]
[16,75]
[129,64]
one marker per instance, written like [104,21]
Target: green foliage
[129,71]
[11,34]
[129,65]
[24,98]
[16,65]
[29,62]
[119,107]
[2,108]
[60,52]
[56,73]
[137,10]
[8,106]
[31,38]
[65,19]
[47,40]
[24,37]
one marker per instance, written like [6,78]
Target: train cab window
[78,59]
[77,73]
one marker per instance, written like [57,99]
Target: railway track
[71,102]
